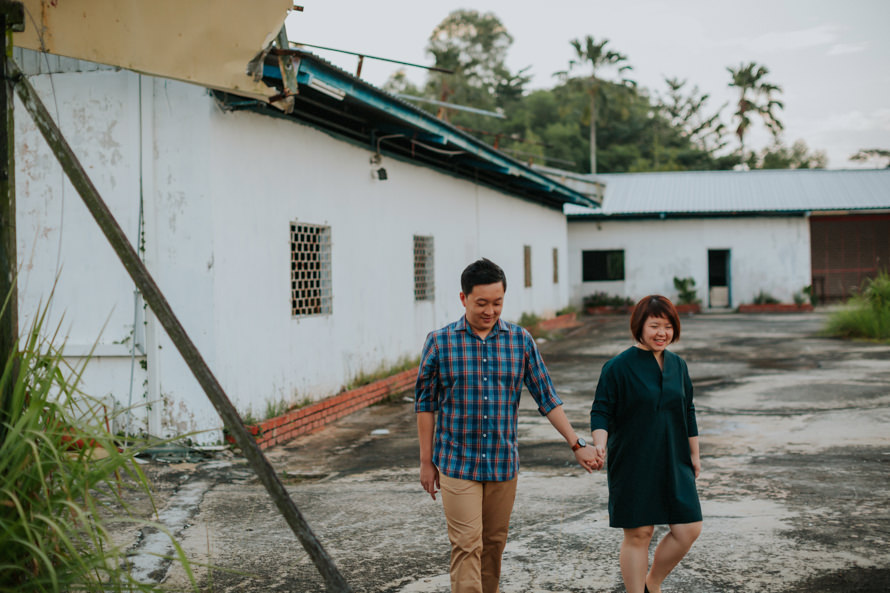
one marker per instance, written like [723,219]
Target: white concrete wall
[58,241]
[767,254]
[221,189]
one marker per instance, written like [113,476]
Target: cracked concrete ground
[795,439]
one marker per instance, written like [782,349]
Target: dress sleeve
[603,409]
[537,379]
[691,425]
[427,387]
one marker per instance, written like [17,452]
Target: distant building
[736,233]
[299,250]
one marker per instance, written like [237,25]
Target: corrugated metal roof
[725,192]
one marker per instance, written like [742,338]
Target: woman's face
[657,334]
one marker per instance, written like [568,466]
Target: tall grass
[866,315]
[62,478]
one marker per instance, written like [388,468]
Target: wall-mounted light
[377,172]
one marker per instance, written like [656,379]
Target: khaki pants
[478,515]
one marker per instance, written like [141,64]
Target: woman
[643,417]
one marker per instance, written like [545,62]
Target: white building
[299,251]
[736,233]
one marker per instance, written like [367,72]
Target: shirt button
[484,436]
[484,360]
[485,398]
[485,378]
[483,456]
[485,417]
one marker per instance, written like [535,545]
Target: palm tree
[592,54]
[755,98]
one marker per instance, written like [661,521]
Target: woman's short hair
[654,305]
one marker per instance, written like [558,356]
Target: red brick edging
[308,419]
[776,308]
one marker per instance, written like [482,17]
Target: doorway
[718,278]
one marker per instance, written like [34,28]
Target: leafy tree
[594,57]
[879,156]
[755,98]
[687,113]
[474,46]
[779,156]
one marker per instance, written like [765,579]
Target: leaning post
[151,292]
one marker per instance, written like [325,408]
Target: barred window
[424,286]
[527,261]
[310,269]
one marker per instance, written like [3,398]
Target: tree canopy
[592,104]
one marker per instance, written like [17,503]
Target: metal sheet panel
[716,192]
[206,42]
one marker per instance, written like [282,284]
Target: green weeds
[866,315]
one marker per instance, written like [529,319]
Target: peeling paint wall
[767,254]
[221,189]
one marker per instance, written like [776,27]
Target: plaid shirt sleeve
[537,379]
[427,387]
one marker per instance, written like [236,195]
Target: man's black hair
[481,271]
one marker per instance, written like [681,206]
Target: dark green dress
[649,416]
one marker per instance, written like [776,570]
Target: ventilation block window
[555,265]
[310,269]
[602,265]
[527,264]
[424,287]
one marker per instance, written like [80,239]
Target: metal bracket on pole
[288,72]
[152,294]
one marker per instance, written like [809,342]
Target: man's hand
[589,459]
[429,478]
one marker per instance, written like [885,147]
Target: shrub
[765,298]
[867,315]
[687,293]
[529,320]
[603,299]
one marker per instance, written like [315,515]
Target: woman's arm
[693,452]
[600,437]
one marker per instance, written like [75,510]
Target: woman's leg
[670,551]
[634,557]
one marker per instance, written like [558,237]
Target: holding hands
[591,457]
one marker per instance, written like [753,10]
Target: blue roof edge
[311,66]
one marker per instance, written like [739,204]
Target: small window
[527,260]
[555,265]
[602,265]
[310,269]
[424,287]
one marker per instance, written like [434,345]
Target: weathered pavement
[795,438]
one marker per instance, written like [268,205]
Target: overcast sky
[830,57]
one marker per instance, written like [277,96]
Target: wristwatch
[580,444]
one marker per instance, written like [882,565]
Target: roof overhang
[205,42]
[343,105]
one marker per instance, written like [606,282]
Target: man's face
[483,305]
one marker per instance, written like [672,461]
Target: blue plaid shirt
[474,385]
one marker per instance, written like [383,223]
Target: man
[471,374]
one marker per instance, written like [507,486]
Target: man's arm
[586,456]
[429,474]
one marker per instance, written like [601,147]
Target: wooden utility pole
[12,18]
